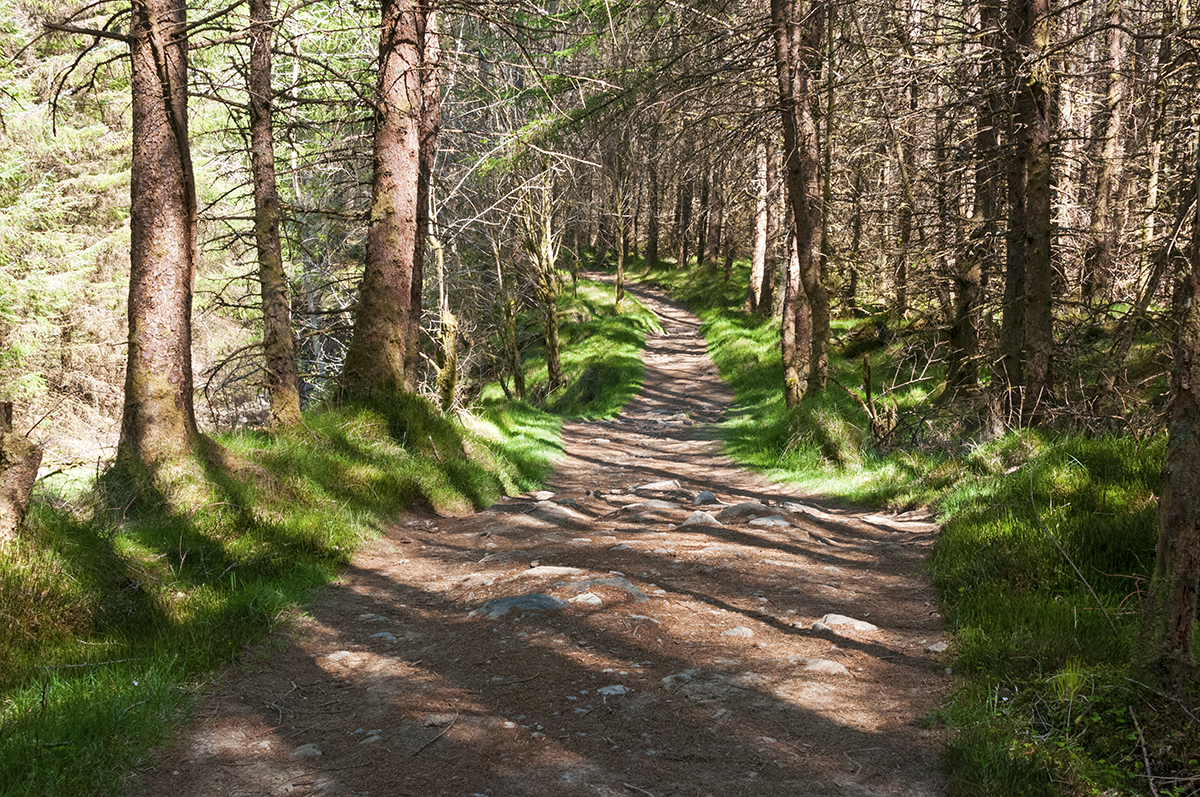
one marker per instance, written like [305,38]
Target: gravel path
[658,622]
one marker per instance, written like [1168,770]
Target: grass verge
[1047,544]
[114,606]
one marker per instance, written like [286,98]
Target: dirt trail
[685,663]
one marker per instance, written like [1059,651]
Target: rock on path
[658,621]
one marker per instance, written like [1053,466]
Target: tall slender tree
[1165,652]
[158,424]
[283,383]
[383,323]
[798,29]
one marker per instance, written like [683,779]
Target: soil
[689,666]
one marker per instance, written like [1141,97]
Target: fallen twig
[440,735]
[637,789]
[1145,755]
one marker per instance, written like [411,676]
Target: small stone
[554,513]
[590,598]
[542,495]
[699,518]
[613,691]
[705,497]
[619,582]
[341,655]
[384,636]
[662,486]
[820,666]
[551,570]
[842,620]
[438,720]
[621,547]
[772,521]
[738,630]
[819,626]
[938,647]
[534,602]
[306,751]
[744,510]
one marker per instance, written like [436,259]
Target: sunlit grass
[1025,513]
[115,599]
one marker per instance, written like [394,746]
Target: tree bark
[158,424]
[1027,333]
[798,37]
[19,462]
[976,260]
[1034,113]
[685,221]
[653,201]
[1165,650]
[795,331]
[376,358]
[1100,249]
[283,382]
[758,254]
[428,128]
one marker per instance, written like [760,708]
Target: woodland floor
[389,685]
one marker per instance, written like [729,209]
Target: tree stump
[19,462]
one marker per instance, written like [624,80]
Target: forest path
[666,654]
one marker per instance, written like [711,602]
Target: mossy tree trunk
[379,348]
[541,243]
[283,382]
[798,33]
[795,332]
[429,126]
[684,221]
[1027,332]
[1165,652]
[653,200]
[1099,252]
[19,461]
[158,424]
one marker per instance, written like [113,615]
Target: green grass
[601,354]
[1022,620]
[116,602]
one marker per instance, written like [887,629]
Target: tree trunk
[19,462]
[1034,141]
[509,311]
[797,46]
[159,421]
[702,219]
[1099,251]
[429,126]
[375,359]
[977,258]
[653,200]
[716,221]
[1165,651]
[685,221]
[758,254]
[795,331]
[622,244]
[283,382]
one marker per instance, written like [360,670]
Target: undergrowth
[1047,543]
[115,604]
